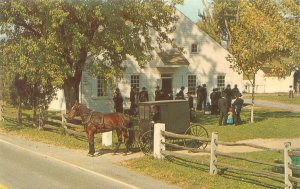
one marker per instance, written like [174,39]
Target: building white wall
[209,62]
[59,102]
[267,84]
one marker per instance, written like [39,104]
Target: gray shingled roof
[173,57]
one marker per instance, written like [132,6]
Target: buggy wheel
[146,143]
[198,131]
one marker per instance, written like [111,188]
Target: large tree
[259,33]
[61,35]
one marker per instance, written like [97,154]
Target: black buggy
[175,114]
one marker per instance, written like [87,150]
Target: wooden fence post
[1,112]
[213,158]
[287,169]
[158,138]
[40,120]
[63,119]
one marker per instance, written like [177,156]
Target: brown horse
[97,122]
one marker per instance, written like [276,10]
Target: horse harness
[90,120]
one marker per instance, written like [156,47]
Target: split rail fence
[53,120]
[160,145]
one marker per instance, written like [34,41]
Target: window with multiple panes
[221,82]
[192,84]
[135,82]
[101,86]
[194,48]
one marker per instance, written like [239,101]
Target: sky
[190,9]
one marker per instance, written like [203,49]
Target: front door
[166,85]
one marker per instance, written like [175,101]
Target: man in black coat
[228,93]
[191,103]
[237,108]
[214,102]
[158,95]
[223,107]
[118,100]
[180,94]
[235,91]
[199,98]
[143,96]
[133,100]
[204,95]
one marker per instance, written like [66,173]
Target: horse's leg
[119,134]
[91,143]
[126,139]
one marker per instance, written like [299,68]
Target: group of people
[162,95]
[135,97]
[230,101]
[222,103]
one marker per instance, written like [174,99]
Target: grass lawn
[276,97]
[269,123]
[193,174]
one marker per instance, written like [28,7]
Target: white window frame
[135,81]
[101,86]
[192,82]
[194,48]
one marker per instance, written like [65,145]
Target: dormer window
[194,48]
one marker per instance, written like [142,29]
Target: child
[230,116]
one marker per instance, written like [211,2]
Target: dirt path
[269,143]
[265,103]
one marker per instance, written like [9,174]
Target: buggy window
[145,112]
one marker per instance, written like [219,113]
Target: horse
[97,122]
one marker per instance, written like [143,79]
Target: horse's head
[73,112]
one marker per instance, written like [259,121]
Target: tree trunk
[71,90]
[252,95]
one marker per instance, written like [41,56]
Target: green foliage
[53,40]
[260,33]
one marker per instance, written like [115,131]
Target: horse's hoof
[90,155]
[125,154]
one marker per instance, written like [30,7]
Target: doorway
[166,85]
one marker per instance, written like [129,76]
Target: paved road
[264,103]
[26,164]
[20,168]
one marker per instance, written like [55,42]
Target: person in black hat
[180,94]
[237,108]
[228,93]
[235,91]
[223,107]
[199,98]
[133,100]
[191,103]
[204,96]
[118,101]
[143,95]
[157,94]
[191,100]
[155,114]
[214,102]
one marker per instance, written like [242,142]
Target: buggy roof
[161,102]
